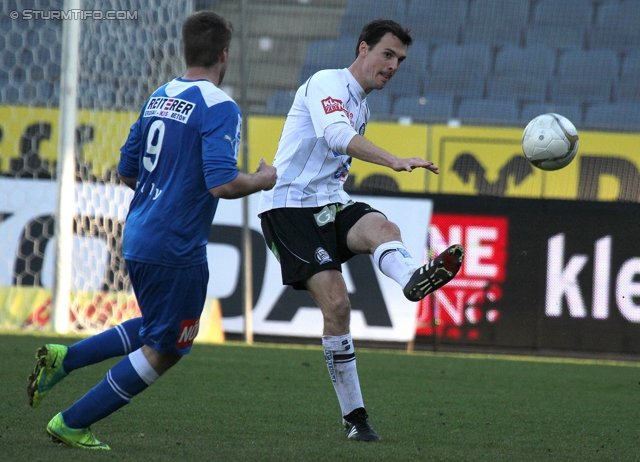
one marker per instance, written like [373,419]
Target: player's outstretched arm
[363,149]
[263,179]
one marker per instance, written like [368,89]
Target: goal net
[127,50]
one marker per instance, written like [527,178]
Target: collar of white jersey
[354,84]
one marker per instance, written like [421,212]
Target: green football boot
[76,438]
[47,373]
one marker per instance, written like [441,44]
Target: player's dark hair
[205,35]
[373,32]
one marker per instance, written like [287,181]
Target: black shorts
[309,240]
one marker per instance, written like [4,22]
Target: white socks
[394,260]
[341,362]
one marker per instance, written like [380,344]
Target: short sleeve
[221,131]
[327,97]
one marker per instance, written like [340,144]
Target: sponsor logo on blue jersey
[169,108]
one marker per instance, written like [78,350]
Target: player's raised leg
[55,362]
[375,234]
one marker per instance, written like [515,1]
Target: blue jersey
[184,142]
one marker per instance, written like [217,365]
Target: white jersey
[310,173]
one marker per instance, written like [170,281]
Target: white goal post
[61,292]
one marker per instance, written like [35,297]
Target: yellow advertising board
[472,160]
[34,132]
[489,161]
[29,308]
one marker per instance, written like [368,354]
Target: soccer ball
[550,142]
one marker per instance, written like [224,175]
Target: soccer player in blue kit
[180,158]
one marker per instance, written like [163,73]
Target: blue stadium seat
[328,54]
[458,70]
[360,12]
[376,7]
[617,116]
[584,76]
[554,36]
[47,93]
[628,87]
[9,94]
[429,109]
[331,53]
[94,95]
[563,13]
[537,61]
[573,112]
[280,102]
[436,21]
[559,24]
[379,103]
[417,58]
[522,87]
[488,112]
[474,58]
[405,83]
[521,73]
[496,22]
[616,26]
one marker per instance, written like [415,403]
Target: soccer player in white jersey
[312,225]
[180,158]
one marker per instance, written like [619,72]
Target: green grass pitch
[234,402]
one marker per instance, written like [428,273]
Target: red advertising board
[469,299]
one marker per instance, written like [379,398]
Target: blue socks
[130,376]
[117,341]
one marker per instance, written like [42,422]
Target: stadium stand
[280,102]
[359,12]
[559,38]
[404,83]
[496,22]
[428,109]
[627,88]
[584,76]
[575,55]
[483,111]
[458,70]
[379,103]
[573,112]
[616,26]
[614,116]
[563,13]
[327,54]
[521,73]
[559,24]
[435,21]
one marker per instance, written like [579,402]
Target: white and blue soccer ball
[550,142]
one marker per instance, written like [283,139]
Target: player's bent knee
[391,230]
[160,362]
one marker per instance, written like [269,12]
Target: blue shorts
[171,302]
